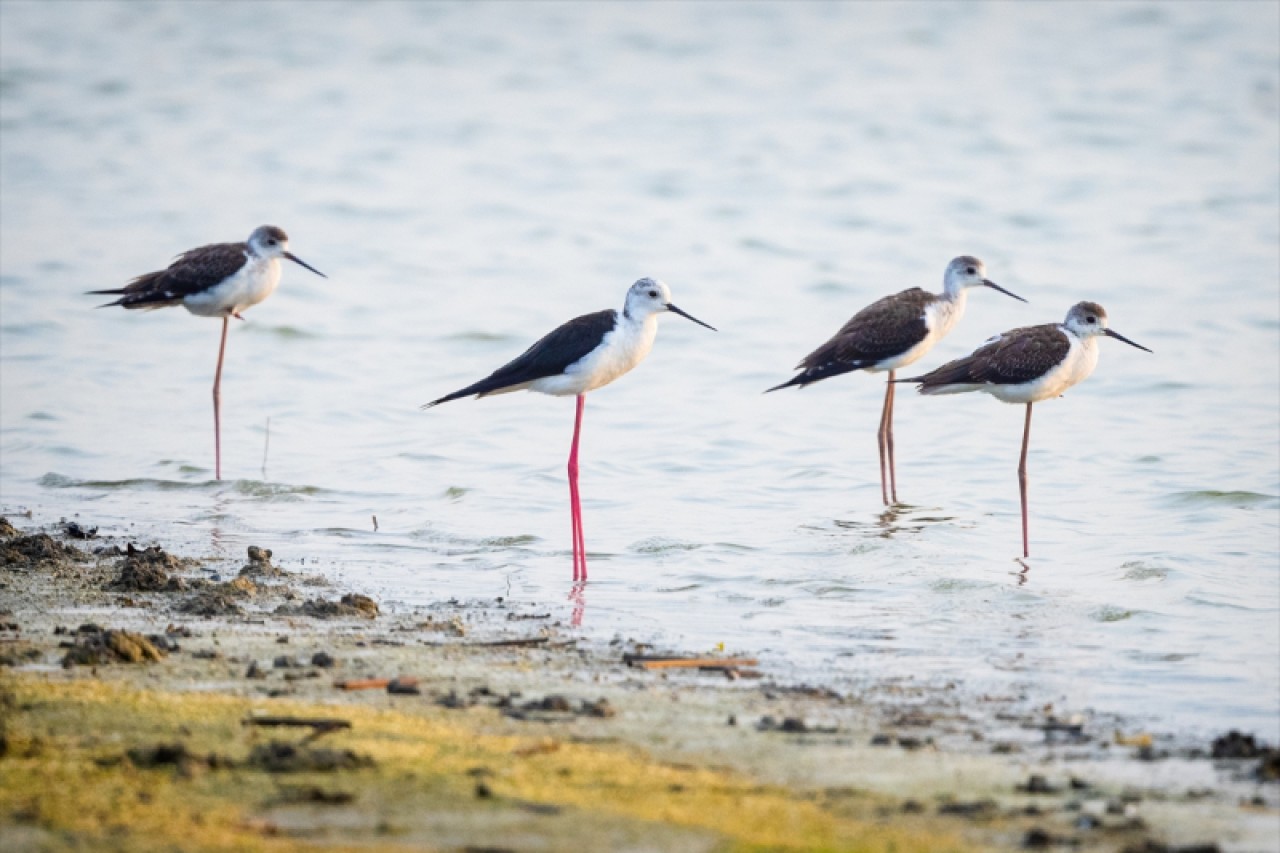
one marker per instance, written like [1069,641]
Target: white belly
[1081,359]
[940,317]
[254,282]
[619,351]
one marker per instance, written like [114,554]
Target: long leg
[881,437]
[888,435]
[575,503]
[217,405]
[1022,480]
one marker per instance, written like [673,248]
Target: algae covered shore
[160,701]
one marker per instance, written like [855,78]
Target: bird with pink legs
[218,280]
[584,354]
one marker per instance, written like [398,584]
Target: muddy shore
[154,700]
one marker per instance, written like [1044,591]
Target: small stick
[266,445]
[691,663]
[375,524]
[362,684]
[526,641]
[318,723]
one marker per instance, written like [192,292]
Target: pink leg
[1022,480]
[217,405]
[575,503]
[888,436]
[881,437]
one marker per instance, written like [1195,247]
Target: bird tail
[133,299]
[488,385]
[817,374]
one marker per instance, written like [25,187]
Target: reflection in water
[578,595]
[893,521]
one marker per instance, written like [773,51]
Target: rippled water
[471,175]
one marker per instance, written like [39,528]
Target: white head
[967,271]
[649,296]
[1089,319]
[268,241]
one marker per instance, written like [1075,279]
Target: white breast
[939,318]
[251,284]
[1080,361]
[620,350]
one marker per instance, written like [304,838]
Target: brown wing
[882,330]
[191,272]
[1017,356]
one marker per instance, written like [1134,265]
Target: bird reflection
[578,595]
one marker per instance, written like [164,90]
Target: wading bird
[580,356]
[1026,366]
[890,334]
[219,280]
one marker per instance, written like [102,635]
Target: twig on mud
[362,683]
[666,662]
[321,725]
[525,641]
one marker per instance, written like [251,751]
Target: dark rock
[324,660]
[1037,784]
[349,607]
[284,662]
[599,708]
[75,531]
[92,648]
[1235,744]
[260,565]
[146,570]
[214,601]
[882,739]
[971,809]
[281,757]
[37,551]
[167,755]
[7,530]
[255,671]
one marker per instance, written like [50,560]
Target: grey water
[470,175]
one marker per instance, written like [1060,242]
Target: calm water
[471,175]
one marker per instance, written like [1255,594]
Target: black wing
[882,330]
[1017,356]
[550,356]
[191,272]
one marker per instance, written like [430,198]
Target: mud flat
[151,701]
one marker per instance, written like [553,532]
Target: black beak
[991,284]
[1120,337]
[297,260]
[674,310]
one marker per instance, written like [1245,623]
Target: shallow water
[471,175]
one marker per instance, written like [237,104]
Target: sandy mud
[151,700]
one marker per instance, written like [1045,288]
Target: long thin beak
[297,260]
[991,284]
[674,310]
[1120,337]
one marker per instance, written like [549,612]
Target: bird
[890,334]
[218,280]
[584,354]
[1028,365]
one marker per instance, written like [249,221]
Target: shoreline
[921,768]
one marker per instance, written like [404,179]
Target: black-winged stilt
[580,356]
[890,334]
[1028,365]
[219,280]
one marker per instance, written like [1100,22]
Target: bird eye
[653,294]
[1091,319]
[971,270]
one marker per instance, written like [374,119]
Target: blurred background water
[471,175]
